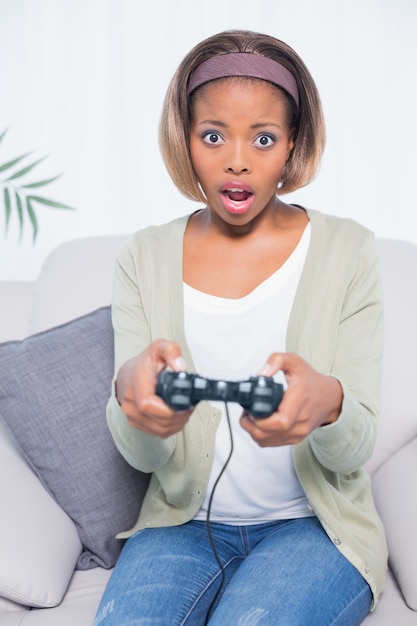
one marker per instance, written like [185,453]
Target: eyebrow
[254,126]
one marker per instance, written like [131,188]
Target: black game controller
[259,395]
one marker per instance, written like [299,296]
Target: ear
[291,142]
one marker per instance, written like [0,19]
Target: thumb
[170,353]
[274,364]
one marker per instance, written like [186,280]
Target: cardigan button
[337,541]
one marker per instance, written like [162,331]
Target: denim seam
[347,607]
[203,591]
[244,537]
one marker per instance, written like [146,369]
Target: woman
[248,521]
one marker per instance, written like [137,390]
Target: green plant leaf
[19,207]
[51,203]
[19,196]
[33,218]
[3,134]
[41,183]
[25,170]
[8,206]
[10,164]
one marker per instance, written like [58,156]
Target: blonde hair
[307,121]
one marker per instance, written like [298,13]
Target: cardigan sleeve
[347,444]
[131,336]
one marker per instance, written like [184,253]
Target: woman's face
[240,142]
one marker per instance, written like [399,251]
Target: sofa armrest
[39,543]
[396,500]
[15,310]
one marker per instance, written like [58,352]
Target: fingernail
[266,370]
[179,364]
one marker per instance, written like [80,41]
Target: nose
[237,159]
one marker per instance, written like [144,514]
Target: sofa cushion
[80,604]
[39,543]
[87,264]
[54,387]
[396,500]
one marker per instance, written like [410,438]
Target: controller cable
[208,522]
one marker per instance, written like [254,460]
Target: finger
[272,365]
[159,428]
[279,361]
[155,417]
[264,437]
[170,352]
[273,431]
[277,422]
[154,406]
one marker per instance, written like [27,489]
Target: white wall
[83,81]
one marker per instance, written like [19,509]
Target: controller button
[264,391]
[178,399]
[200,383]
[261,407]
[181,384]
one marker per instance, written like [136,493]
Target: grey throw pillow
[54,387]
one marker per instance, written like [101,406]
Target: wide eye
[212,137]
[265,141]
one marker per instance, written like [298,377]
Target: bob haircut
[307,121]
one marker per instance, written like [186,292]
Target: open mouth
[237,195]
[237,200]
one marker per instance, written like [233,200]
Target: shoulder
[339,237]
[162,232]
[155,241]
[331,225]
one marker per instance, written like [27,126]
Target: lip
[236,205]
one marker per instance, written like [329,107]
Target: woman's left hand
[311,400]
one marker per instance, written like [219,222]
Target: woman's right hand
[135,390]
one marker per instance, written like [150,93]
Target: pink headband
[244,64]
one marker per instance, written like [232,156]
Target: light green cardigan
[335,324]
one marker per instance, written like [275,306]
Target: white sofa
[76,279]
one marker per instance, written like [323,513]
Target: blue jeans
[286,573]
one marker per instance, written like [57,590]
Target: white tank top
[232,339]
